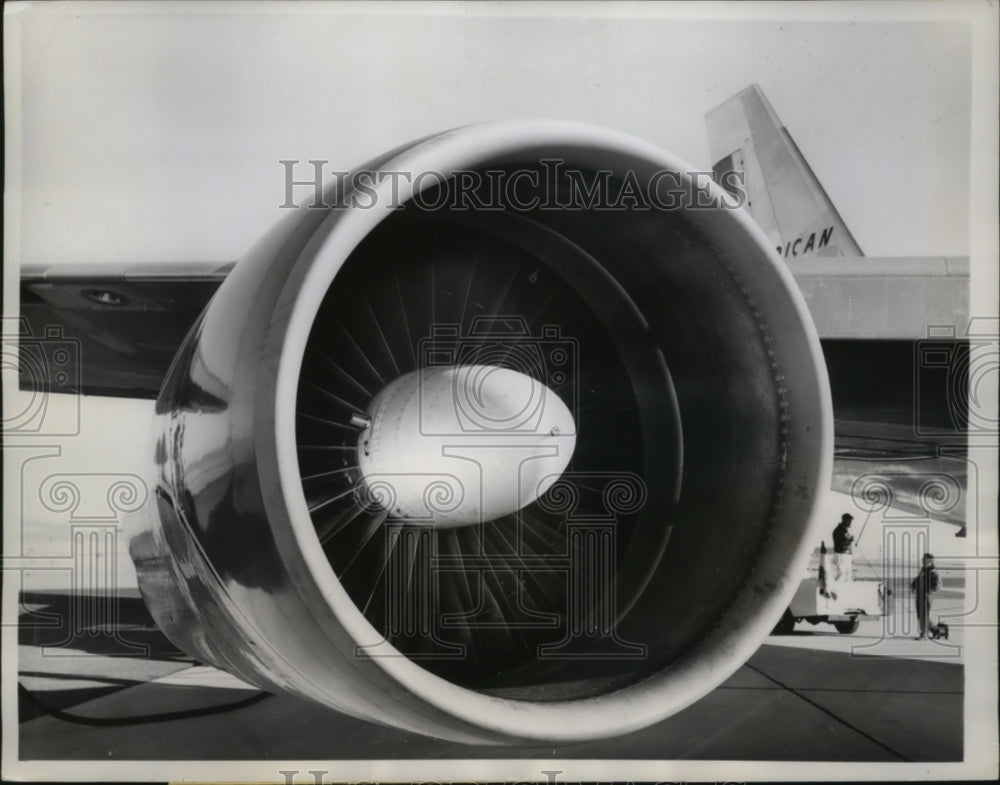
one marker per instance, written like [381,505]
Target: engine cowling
[624,583]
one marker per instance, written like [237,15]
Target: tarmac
[813,695]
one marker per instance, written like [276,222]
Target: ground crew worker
[843,546]
[843,540]
[923,586]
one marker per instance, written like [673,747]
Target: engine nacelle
[608,597]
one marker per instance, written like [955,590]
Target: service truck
[831,593]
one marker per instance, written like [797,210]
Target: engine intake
[628,578]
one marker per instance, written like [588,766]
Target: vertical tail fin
[784,196]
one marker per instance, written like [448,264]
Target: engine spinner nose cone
[459,445]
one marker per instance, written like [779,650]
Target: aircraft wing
[893,332]
[120,325]
[890,298]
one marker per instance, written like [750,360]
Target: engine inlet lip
[667,691]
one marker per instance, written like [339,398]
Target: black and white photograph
[492,391]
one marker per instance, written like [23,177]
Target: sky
[154,135]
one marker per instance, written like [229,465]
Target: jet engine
[514,435]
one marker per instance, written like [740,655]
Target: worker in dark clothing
[843,546]
[843,540]
[923,586]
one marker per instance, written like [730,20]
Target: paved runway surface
[813,695]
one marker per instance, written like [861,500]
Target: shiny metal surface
[232,568]
[490,439]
